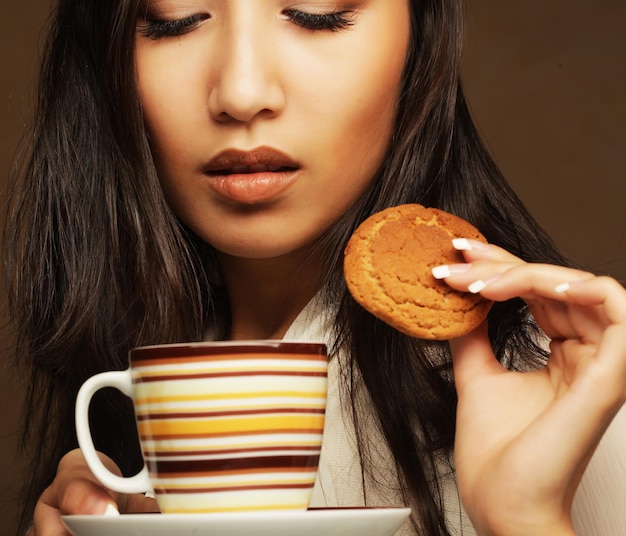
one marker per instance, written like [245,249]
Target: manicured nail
[446,270]
[461,244]
[563,287]
[111,511]
[465,244]
[477,286]
[481,284]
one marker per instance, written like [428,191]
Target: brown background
[546,80]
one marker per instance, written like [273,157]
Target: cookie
[388,263]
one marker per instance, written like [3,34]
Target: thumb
[473,357]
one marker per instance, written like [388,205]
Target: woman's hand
[76,491]
[524,439]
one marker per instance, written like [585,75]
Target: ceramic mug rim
[212,348]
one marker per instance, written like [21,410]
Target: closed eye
[334,21]
[156,29]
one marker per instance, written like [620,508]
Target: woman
[195,171]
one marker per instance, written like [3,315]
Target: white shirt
[599,506]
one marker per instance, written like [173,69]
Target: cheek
[368,87]
[367,115]
[167,104]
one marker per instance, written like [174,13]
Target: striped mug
[223,426]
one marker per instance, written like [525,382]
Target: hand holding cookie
[524,439]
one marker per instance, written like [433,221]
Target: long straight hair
[97,263]
[436,158]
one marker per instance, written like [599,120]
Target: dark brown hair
[96,262]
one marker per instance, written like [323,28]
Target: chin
[261,249]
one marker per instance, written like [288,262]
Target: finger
[77,496]
[611,354]
[76,491]
[84,496]
[473,357]
[569,361]
[473,250]
[595,310]
[553,318]
[76,481]
[527,281]
[140,504]
[47,522]
[489,262]
[499,280]
[538,284]
[601,291]
[568,303]
[594,304]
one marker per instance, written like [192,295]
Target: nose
[246,79]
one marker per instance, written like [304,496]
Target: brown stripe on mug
[238,374]
[228,465]
[268,487]
[286,356]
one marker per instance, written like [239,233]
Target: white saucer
[314,522]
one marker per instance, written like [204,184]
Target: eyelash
[155,29]
[335,21]
[158,29]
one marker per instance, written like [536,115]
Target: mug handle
[122,381]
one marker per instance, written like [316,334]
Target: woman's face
[268,118]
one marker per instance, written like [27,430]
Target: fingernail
[446,270]
[564,287]
[477,286]
[111,511]
[480,285]
[466,244]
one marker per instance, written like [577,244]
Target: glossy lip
[249,177]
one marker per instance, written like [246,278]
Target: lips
[253,176]
[259,160]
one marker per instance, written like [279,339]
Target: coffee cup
[223,426]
